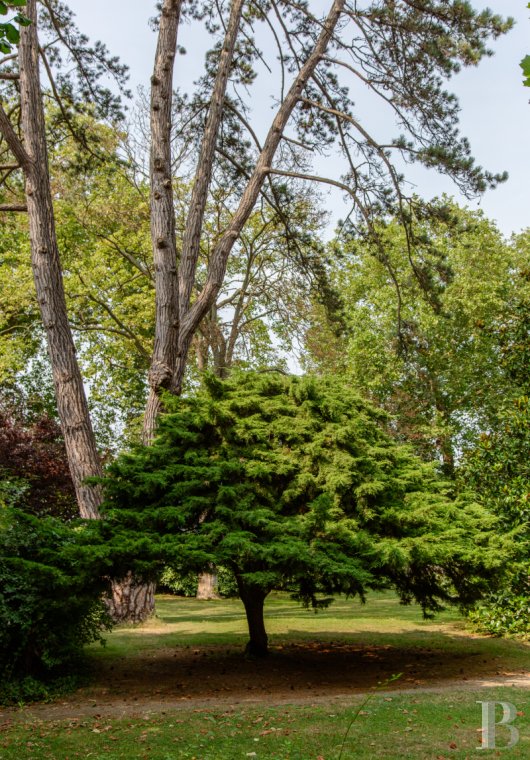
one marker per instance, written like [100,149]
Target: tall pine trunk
[127,601]
[83,458]
[162,212]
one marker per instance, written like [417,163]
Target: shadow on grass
[300,666]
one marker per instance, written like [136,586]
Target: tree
[421,328]
[498,469]
[31,154]
[33,459]
[291,483]
[404,48]
[388,46]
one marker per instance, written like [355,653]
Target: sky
[495,113]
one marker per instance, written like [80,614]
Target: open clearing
[178,687]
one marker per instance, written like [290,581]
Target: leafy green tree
[291,483]
[421,320]
[498,468]
[73,88]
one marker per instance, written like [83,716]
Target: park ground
[367,681]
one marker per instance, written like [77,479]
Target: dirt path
[145,707]
[218,677]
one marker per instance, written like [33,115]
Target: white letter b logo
[509,713]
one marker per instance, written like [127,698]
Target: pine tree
[293,484]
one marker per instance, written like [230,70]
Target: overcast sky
[495,106]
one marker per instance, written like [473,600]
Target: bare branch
[203,176]
[252,191]
[313,178]
[11,138]
[18,207]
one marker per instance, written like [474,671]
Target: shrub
[32,453]
[50,595]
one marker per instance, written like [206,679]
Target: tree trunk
[207,585]
[190,318]
[83,458]
[253,598]
[162,210]
[127,600]
[131,602]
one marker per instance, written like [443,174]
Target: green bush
[50,595]
[508,612]
[175,583]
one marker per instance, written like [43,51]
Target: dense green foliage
[498,468]
[292,483]
[422,324]
[50,596]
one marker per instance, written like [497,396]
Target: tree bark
[83,458]
[253,598]
[191,318]
[130,601]
[127,601]
[163,217]
[193,231]
[207,584]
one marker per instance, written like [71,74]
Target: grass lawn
[382,621]
[177,687]
[399,726]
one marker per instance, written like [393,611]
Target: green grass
[382,621]
[420,726]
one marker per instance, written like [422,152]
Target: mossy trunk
[253,598]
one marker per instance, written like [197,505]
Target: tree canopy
[421,327]
[292,483]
